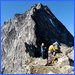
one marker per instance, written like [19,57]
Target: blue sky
[63,10]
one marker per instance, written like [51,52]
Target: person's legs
[49,57]
[42,54]
[49,62]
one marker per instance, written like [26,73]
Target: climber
[53,49]
[43,49]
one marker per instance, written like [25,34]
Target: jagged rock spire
[22,39]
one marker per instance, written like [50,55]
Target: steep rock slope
[22,37]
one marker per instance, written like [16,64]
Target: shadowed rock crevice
[32,50]
[71,62]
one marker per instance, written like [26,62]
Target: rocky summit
[22,38]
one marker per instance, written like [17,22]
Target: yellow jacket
[51,48]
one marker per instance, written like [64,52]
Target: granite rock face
[71,55]
[22,37]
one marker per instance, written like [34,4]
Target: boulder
[67,69]
[62,61]
[71,55]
